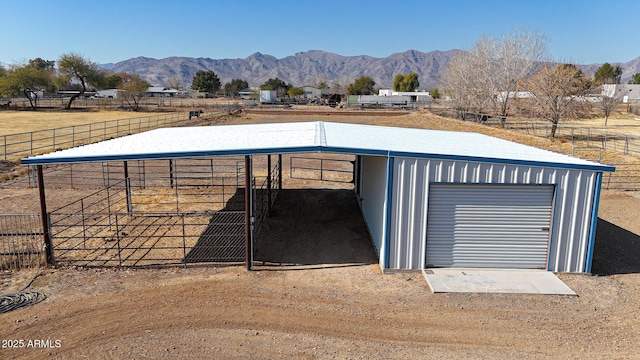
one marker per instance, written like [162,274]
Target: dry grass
[618,123]
[12,122]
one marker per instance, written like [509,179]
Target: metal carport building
[429,198]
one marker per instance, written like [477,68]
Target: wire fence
[322,169]
[21,241]
[625,178]
[16,146]
[582,137]
[149,103]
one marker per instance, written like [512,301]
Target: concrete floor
[504,281]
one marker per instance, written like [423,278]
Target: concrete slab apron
[502,281]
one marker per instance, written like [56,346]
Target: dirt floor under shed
[328,299]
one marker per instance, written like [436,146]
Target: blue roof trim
[316,148]
[169,155]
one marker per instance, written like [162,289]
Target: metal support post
[46,237]
[269,171]
[247,211]
[127,188]
[279,171]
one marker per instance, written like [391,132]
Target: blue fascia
[594,223]
[315,148]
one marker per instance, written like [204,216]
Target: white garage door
[489,226]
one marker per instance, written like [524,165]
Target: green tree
[607,74]
[112,81]
[435,93]
[133,89]
[27,80]
[361,86]
[635,79]
[295,92]
[234,86]
[206,81]
[75,68]
[276,84]
[406,83]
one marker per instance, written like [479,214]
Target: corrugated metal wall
[572,206]
[372,197]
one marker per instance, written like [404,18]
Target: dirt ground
[321,294]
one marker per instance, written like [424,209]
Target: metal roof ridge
[321,136]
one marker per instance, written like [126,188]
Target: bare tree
[175,82]
[459,86]
[133,88]
[607,103]
[558,93]
[494,66]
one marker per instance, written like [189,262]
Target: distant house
[107,94]
[247,94]
[502,95]
[161,91]
[311,92]
[414,96]
[390,98]
[626,93]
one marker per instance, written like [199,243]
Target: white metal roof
[300,137]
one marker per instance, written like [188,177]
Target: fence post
[269,172]
[127,188]
[171,173]
[118,241]
[44,217]
[572,129]
[84,225]
[247,212]
[626,144]
[279,171]
[184,242]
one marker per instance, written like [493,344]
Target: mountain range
[305,68]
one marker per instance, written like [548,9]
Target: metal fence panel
[21,242]
[148,239]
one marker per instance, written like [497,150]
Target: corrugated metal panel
[571,216]
[372,197]
[496,226]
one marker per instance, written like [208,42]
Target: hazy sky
[579,31]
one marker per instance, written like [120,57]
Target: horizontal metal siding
[497,226]
[572,206]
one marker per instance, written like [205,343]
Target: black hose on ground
[19,300]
